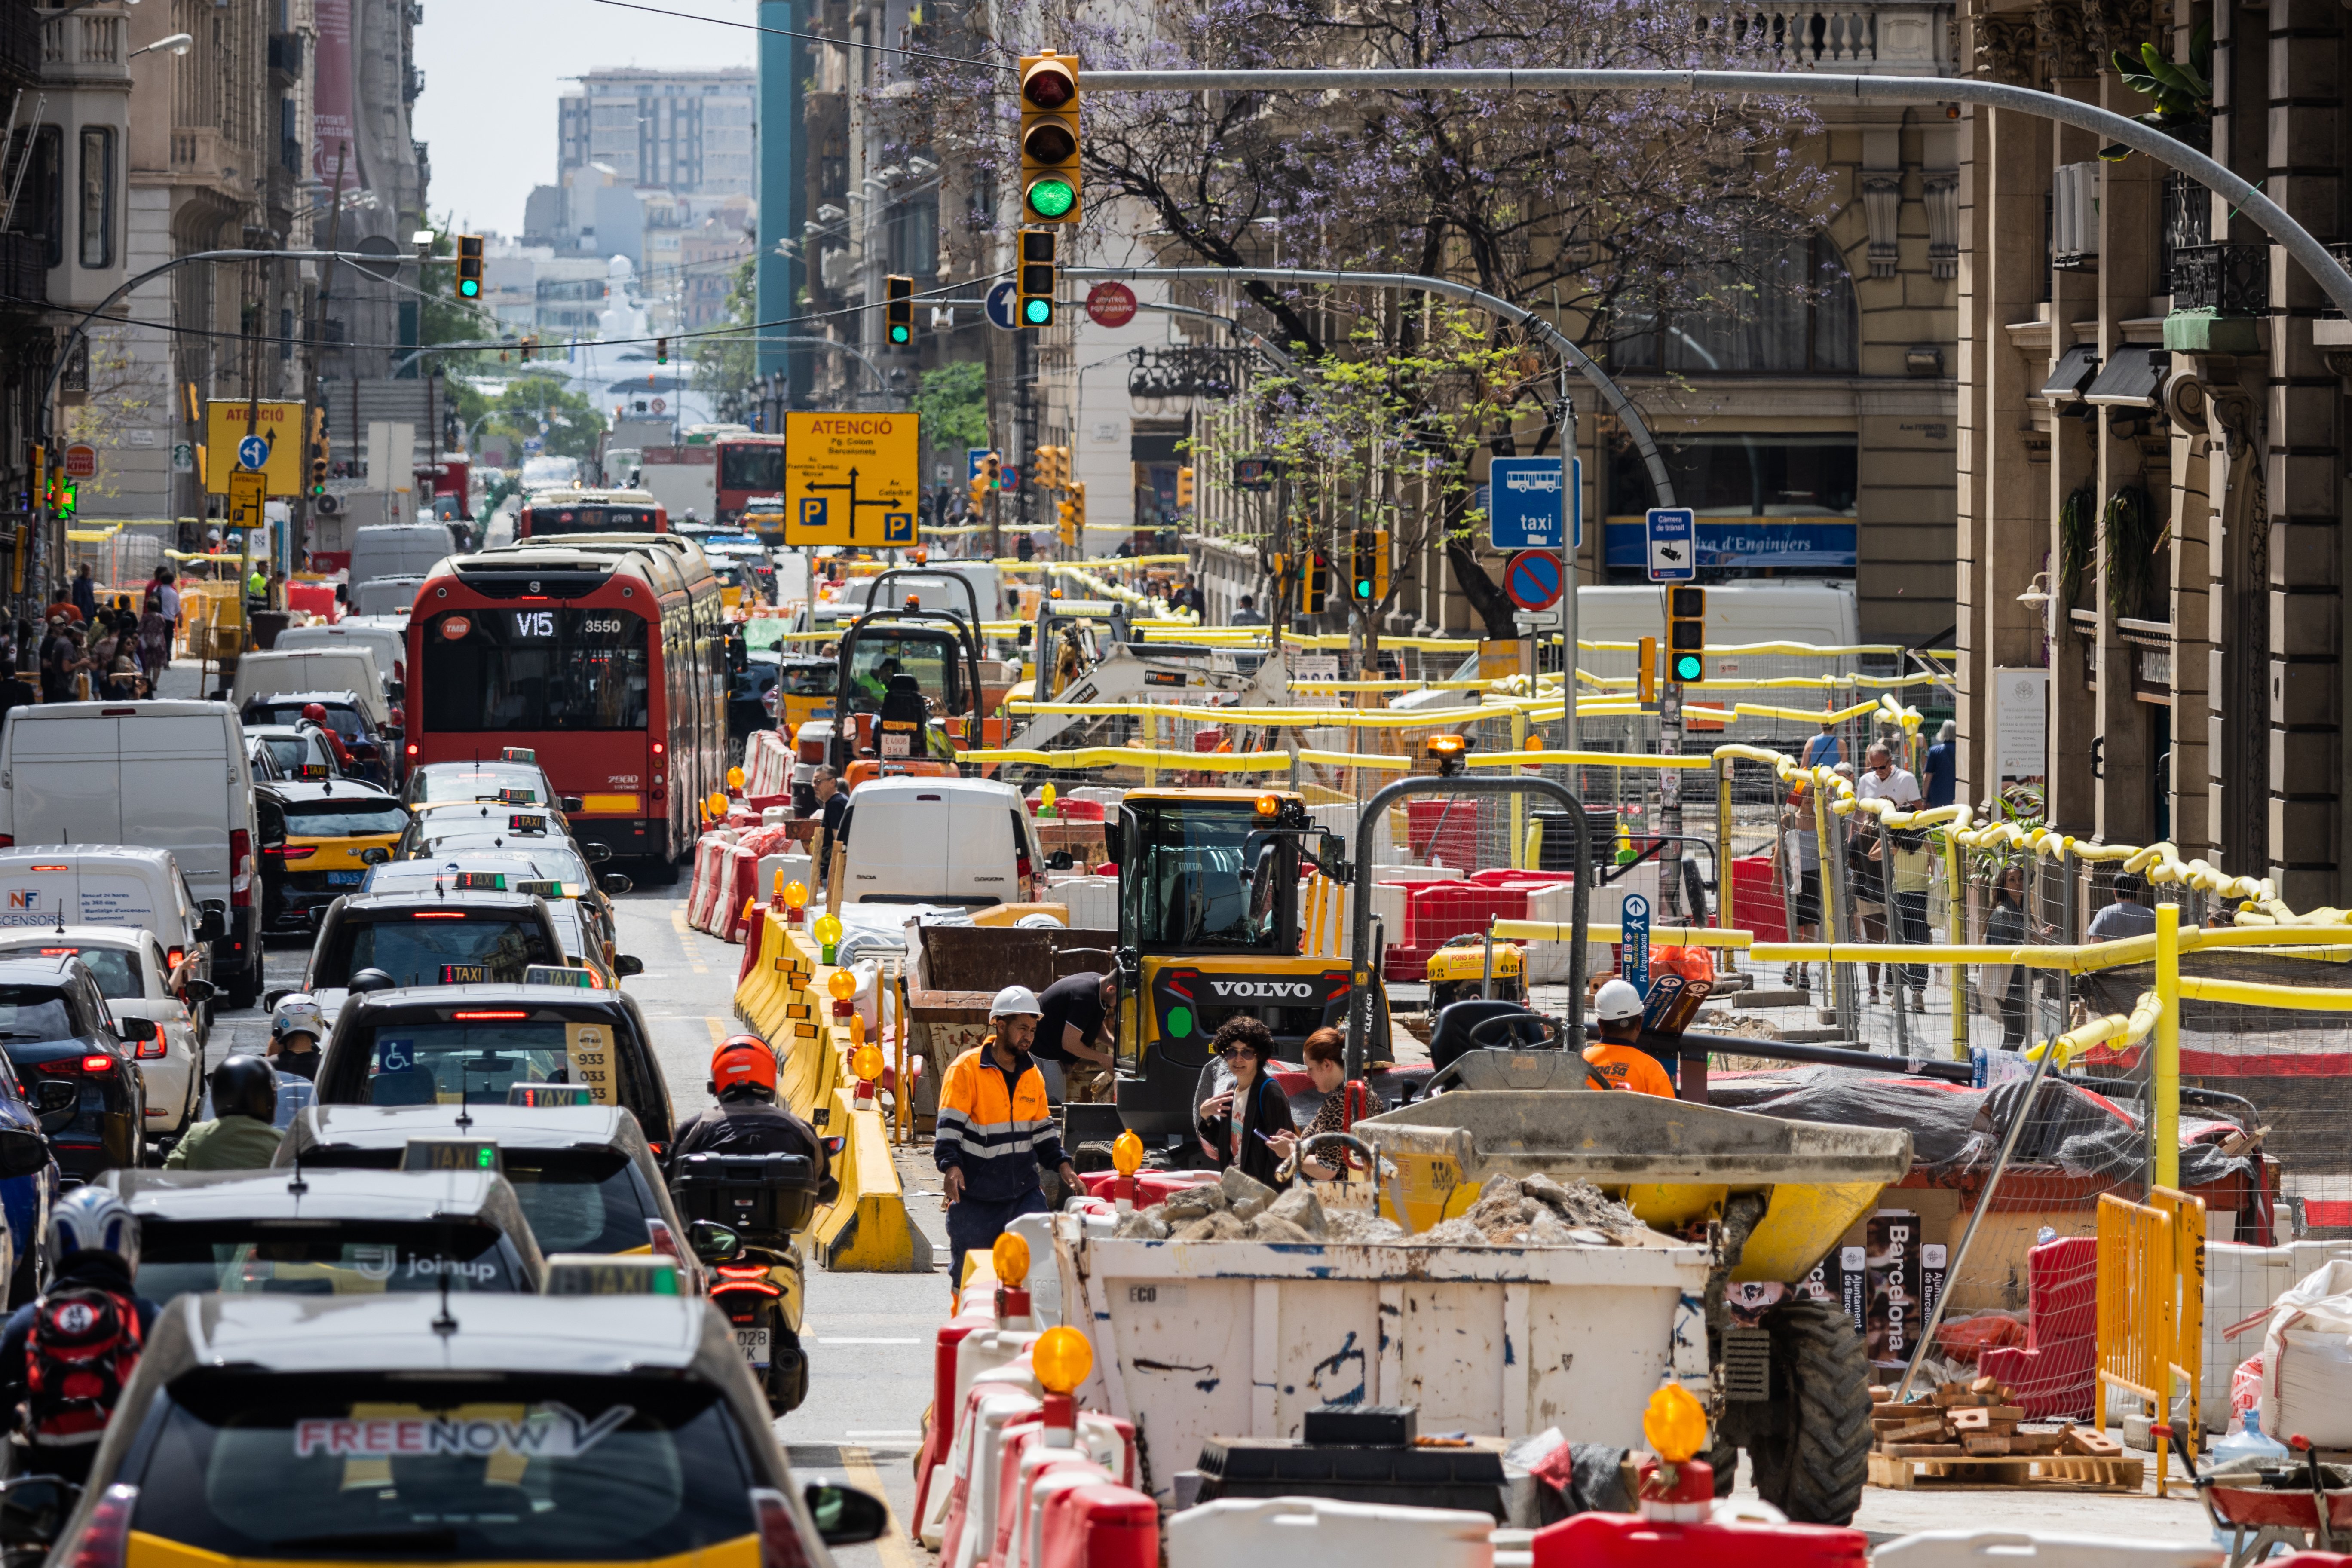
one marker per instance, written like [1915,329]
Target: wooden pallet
[2043,1472]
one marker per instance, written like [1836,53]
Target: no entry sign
[1531,578]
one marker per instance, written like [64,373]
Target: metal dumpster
[1229,1339]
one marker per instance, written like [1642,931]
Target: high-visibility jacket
[1630,1066]
[995,1127]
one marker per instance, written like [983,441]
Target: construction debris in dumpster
[1534,1211]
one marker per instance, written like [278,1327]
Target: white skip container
[1241,1339]
[1317,1532]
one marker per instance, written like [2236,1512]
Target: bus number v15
[534,623]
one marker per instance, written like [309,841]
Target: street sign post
[1633,930]
[851,479]
[999,306]
[1532,579]
[1523,507]
[270,430]
[1674,544]
[248,491]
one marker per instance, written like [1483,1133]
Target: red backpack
[81,1350]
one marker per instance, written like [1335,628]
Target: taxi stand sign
[1523,503]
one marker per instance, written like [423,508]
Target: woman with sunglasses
[1239,1123]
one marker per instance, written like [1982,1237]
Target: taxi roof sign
[602,1274]
[555,974]
[450,1155]
[545,1095]
[517,754]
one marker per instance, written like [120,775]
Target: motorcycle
[756,1204]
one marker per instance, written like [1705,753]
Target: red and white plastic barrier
[767,770]
[703,895]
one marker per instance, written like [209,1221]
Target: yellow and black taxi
[613,1428]
[315,836]
[553,869]
[584,1172]
[468,1045]
[422,1224]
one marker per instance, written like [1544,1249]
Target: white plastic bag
[2308,1360]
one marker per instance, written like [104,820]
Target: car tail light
[304,853]
[97,1063]
[657,1232]
[780,1545]
[150,1049]
[659,748]
[411,751]
[240,868]
[105,1535]
[8,841]
[502,1014]
[438,915]
[733,1280]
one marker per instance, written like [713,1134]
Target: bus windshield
[545,522]
[507,669]
[752,466]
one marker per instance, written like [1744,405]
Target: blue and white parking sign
[1523,503]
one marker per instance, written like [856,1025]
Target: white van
[936,841]
[397,550]
[165,775]
[386,644]
[378,598]
[346,668]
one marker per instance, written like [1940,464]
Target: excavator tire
[1814,1460]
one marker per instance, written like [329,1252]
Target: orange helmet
[742,1059]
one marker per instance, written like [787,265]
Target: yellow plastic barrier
[1663,936]
[1194,762]
[2151,1306]
[866,1229]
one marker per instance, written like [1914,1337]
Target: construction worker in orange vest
[1616,1057]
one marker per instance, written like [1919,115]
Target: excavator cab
[1209,927]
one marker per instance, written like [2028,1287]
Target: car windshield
[115,969]
[752,466]
[1194,887]
[543,862]
[34,1013]
[509,1468]
[345,722]
[580,1200]
[344,818]
[547,519]
[500,670]
[346,1257]
[879,656]
[295,752]
[433,947]
[475,784]
[478,1055]
[811,680]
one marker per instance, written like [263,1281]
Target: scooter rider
[65,1357]
[747,1119]
[242,1135]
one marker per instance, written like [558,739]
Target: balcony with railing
[20,45]
[2220,294]
[1849,36]
[82,48]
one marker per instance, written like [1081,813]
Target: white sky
[493,69]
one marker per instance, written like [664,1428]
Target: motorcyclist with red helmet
[315,713]
[747,1119]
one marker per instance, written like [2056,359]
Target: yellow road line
[893,1546]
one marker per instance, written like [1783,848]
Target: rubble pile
[1533,1212]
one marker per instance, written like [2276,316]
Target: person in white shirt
[1880,780]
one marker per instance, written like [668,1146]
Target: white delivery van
[163,775]
[1821,613]
[386,644]
[346,668]
[398,549]
[937,841]
[384,596]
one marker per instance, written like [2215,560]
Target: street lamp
[177,44]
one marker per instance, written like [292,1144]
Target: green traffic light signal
[1051,197]
[1688,667]
[900,336]
[1037,312]
[470,287]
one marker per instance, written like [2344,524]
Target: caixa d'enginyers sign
[1795,544]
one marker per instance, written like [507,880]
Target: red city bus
[748,466]
[551,513]
[601,654]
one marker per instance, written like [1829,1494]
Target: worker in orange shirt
[1616,1057]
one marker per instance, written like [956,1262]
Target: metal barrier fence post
[1956,916]
[2163,1085]
[1892,921]
[2151,1325]
[1519,807]
[1725,878]
[2067,895]
[1831,910]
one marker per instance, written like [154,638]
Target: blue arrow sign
[999,306]
[1523,503]
[253,452]
[1674,544]
[1633,925]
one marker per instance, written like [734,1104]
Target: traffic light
[1367,567]
[1314,584]
[991,468]
[321,451]
[1645,677]
[529,350]
[1183,487]
[1065,513]
[1049,139]
[898,308]
[1036,283]
[661,351]
[68,503]
[979,491]
[1686,634]
[469,266]
[1078,505]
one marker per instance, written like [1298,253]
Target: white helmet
[1014,1001]
[298,1015]
[1617,1002]
[91,1219]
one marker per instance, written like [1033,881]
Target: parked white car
[140,982]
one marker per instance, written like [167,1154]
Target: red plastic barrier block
[1626,1540]
[1755,904]
[1150,1186]
[942,1434]
[1445,830]
[1445,909]
[1102,1526]
[2062,1290]
[2052,1380]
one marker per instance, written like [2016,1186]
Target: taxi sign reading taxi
[851,478]
[1523,504]
[236,430]
[1674,544]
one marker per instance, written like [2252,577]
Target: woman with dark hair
[1326,1051]
[1240,1123]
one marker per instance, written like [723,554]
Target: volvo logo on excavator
[1262,990]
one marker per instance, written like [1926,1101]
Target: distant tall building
[688,132]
